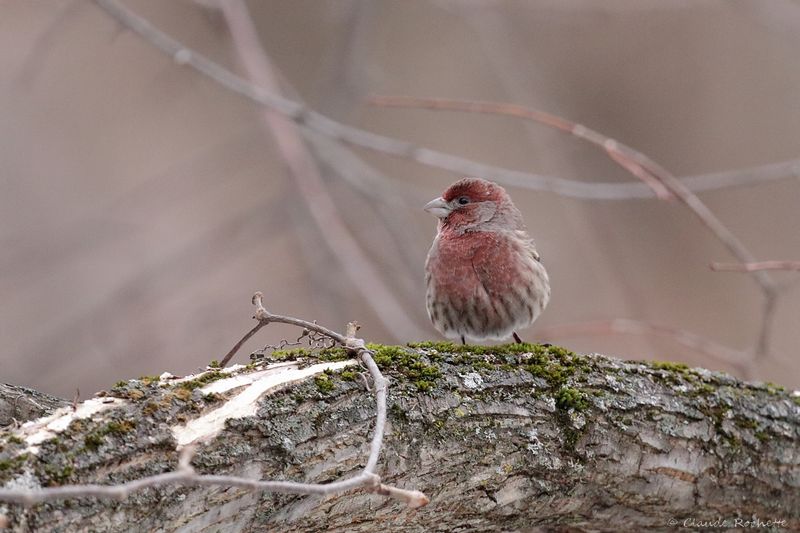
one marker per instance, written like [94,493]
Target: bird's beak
[438,208]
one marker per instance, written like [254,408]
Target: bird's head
[472,203]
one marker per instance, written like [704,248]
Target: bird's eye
[464,200]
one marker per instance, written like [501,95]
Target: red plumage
[483,274]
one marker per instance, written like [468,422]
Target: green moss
[290,355]
[149,380]
[13,463]
[410,364]
[13,439]
[501,349]
[149,408]
[348,375]
[336,353]
[482,364]
[214,364]
[796,400]
[763,436]
[92,441]
[59,475]
[733,441]
[203,379]
[423,386]
[95,439]
[134,394]
[674,373]
[774,389]
[183,394]
[555,365]
[704,390]
[397,412]
[439,346]
[716,413]
[120,384]
[119,427]
[746,423]
[570,398]
[324,383]
[680,368]
[212,397]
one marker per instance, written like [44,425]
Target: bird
[484,278]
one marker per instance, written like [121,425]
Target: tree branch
[756,266]
[321,124]
[186,475]
[629,159]
[306,174]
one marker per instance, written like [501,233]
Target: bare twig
[238,345]
[323,125]
[625,326]
[769,306]
[186,475]
[753,267]
[75,399]
[631,160]
[306,174]
[635,162]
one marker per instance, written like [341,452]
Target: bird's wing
[491,264]
[529,244]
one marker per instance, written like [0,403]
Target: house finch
[483,274]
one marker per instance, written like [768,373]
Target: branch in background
[625,326]
[753,267]
[632,161]
[186,475]
[323,125]
[308,178]
[636,163]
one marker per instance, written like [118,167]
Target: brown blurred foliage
[141,204]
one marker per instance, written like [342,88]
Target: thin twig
[321,124]
[238,345]
[753,267]
[358,137]
[635,162]
[762,346]
[631,160]
[308,178]
[75,399]
[186,475]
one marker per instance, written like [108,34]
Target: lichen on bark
[501,438]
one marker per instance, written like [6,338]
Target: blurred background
[141,203]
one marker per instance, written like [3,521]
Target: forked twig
[185,475]
[635,162]
[683,188]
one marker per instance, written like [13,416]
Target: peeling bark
[499,441]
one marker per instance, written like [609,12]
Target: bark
[20,404]
[499,441]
